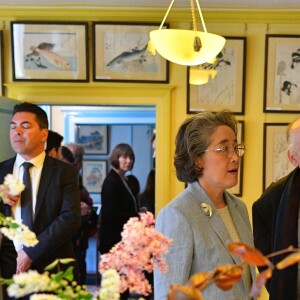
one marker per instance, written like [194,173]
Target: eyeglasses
[228,151]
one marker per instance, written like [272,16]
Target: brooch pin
[206,209]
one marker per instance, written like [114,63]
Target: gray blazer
[200,242]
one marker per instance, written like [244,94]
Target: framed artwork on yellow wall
[282,74]
[120,54]
[49,51]
[275,160]
[227,89]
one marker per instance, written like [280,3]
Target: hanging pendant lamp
[186,47]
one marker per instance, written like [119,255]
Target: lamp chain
[193,16]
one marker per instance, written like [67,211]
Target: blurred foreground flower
[226,276]
[10,186]
[59,285]
[141,249]
[12,229]
[17,231]
[110,285]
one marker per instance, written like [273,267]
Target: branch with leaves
[224,277]
[46,285]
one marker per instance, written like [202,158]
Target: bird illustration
[45,50]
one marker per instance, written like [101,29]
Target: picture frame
[97,208]
[93,174]
[93,138]
[227,89]
[44,51]
[1,64]
[282,70]
[238,189]
[120,54]
[275,160]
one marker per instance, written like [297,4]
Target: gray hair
[77,150]
[193,138]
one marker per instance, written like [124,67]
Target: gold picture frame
[275,160]
[120,54]
[227,89]
[282,73]
[49,51]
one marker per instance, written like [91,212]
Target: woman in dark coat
[118,201]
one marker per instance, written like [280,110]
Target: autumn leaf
[259,282]
[288,261]
[226,276]
[248,254]
[180,292]
[199,280]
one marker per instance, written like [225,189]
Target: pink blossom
[141,249]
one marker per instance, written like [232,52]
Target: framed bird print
[282,74]
[120,54]
[226,88]
[49,51]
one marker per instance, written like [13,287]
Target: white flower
[17,231]
[15,187]
[110,285]
[44,297]
[28,283]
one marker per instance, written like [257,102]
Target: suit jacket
[118,205]
[57,213]
[200,242]
[275,227]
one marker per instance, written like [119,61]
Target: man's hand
[23,262]
[11,200]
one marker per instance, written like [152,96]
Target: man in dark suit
[55,195]
[275,222]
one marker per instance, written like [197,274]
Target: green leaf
[69,274]
[13,225]
[52,265]
[66,260]
[58,277]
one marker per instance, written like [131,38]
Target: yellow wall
[169,99]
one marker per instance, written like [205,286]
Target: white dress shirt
[35,175]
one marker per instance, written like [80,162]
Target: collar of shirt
[36,161]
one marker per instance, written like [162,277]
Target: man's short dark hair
[53,141]
[40,114]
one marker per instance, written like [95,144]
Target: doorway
[134,125]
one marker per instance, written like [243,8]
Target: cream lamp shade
[201,76]
[176,45]
[185,47]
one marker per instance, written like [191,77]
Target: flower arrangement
[226,276]
[8,226]
[52,286]
[141,249]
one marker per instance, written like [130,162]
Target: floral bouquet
[12,229]
[141,249]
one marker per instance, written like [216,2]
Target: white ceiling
[221,4]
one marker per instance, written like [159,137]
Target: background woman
[118,201]
[204,218]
